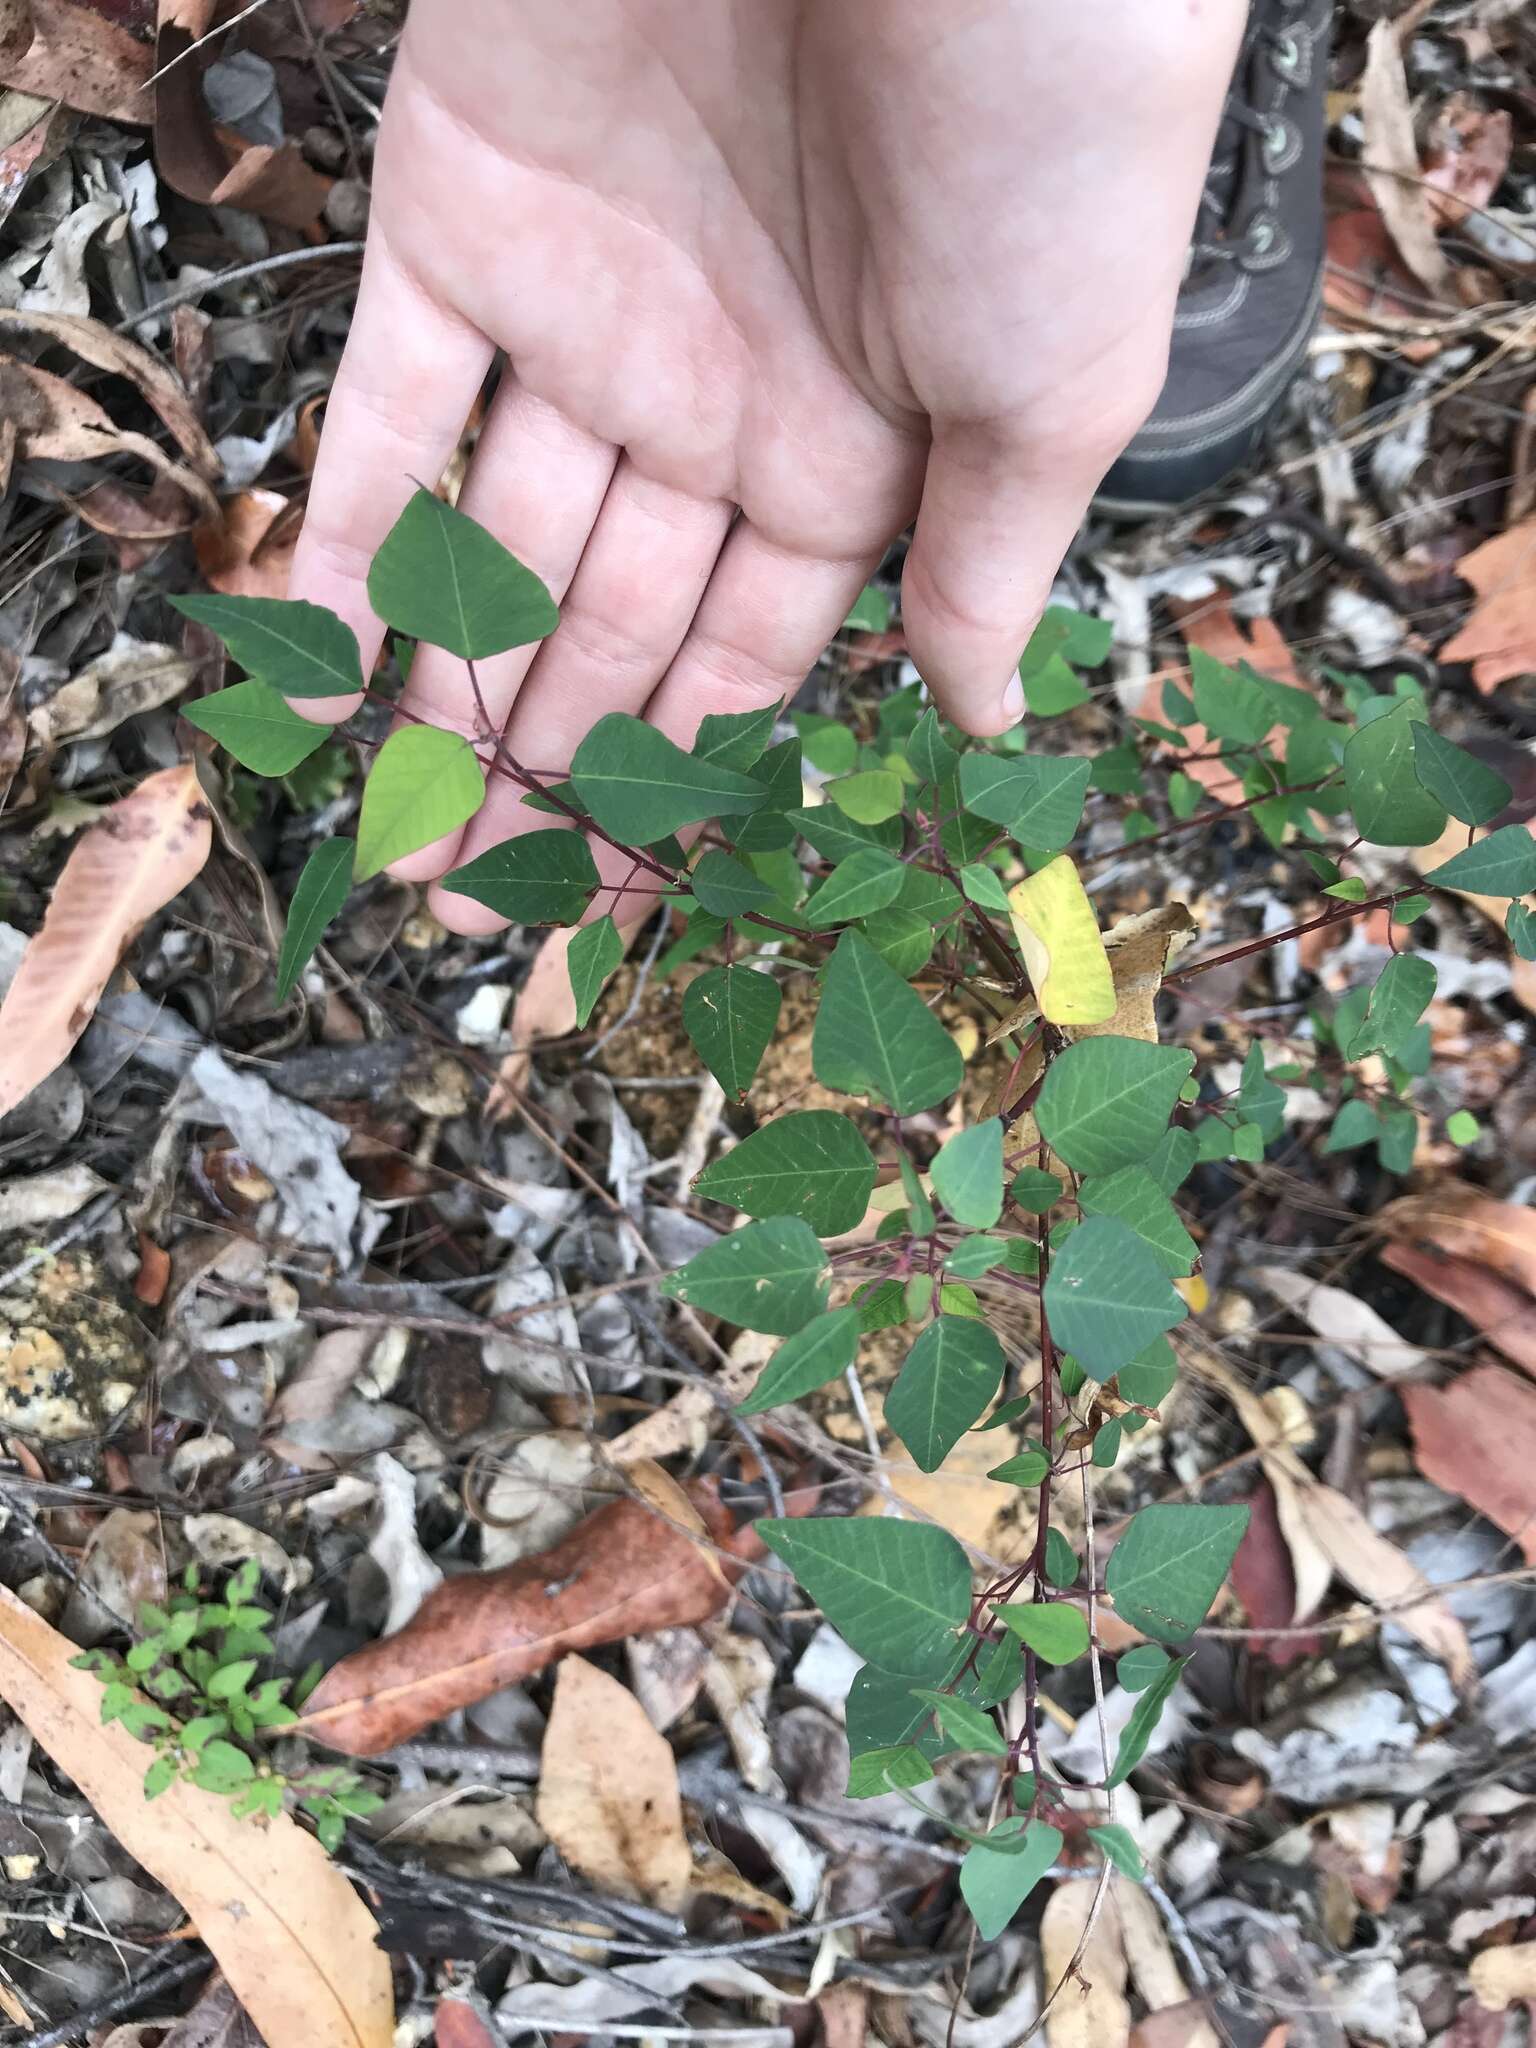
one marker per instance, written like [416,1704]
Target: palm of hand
[813,263]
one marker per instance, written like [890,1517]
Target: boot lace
[1260,242]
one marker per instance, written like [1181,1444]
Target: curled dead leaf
[246,549]
[142,852]
[155,381]
[1328,1534]
[55,422]
[621,1572]
[292,1937]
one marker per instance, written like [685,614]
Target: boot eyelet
[1282,145]
[1265,243]
[1285,56]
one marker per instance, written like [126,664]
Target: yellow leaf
[293,1938]
[1064,955]
[1195,1292]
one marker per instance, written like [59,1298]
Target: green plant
[931,897]
[189,1688]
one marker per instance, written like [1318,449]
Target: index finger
[408,377]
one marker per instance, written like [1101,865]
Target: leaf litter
[377,1293]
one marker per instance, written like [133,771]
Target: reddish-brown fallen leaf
[1466,156]
[1212,627]
[621,1572]
[1499,637]
[1504,1313]
[1264,1579]
[138,855]
[1367,284]
[247,550]
[456,2024]
[212,165]
[89,63]
[1454,1218]
[1477,1439]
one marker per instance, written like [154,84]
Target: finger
[995,521]
[407,379]
[767,615]
[628,610]
[537,483]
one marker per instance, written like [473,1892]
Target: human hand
[830,262]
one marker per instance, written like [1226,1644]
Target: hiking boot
[1251,293]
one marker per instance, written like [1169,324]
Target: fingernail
[1013,702]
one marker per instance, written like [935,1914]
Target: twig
[742,1428]
[183,294]
[635,994]
[148,1987]
[643,2030]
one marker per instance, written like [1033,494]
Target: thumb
[991,532]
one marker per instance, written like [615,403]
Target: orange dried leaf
[294,1940]
[132,861]
[1499,637]
[621,1572]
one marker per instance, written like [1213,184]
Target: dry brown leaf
[1477,1439]
[247,549]
[1502,1977]
[88,62]
[1504,1313]
[1499,636]
[138,855]
[1366,283]
[608,1796]
[1323,1527]
[16,29]
[1380,1573]
[132,676]
[619,1573]
[1343,1319]
[213,165]
[1139,949]
[685,1421]
[1090,2010]
[55,422]
[1391,159]
[156,382]
[294,1940]
[1455,1218]
[1466,156]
